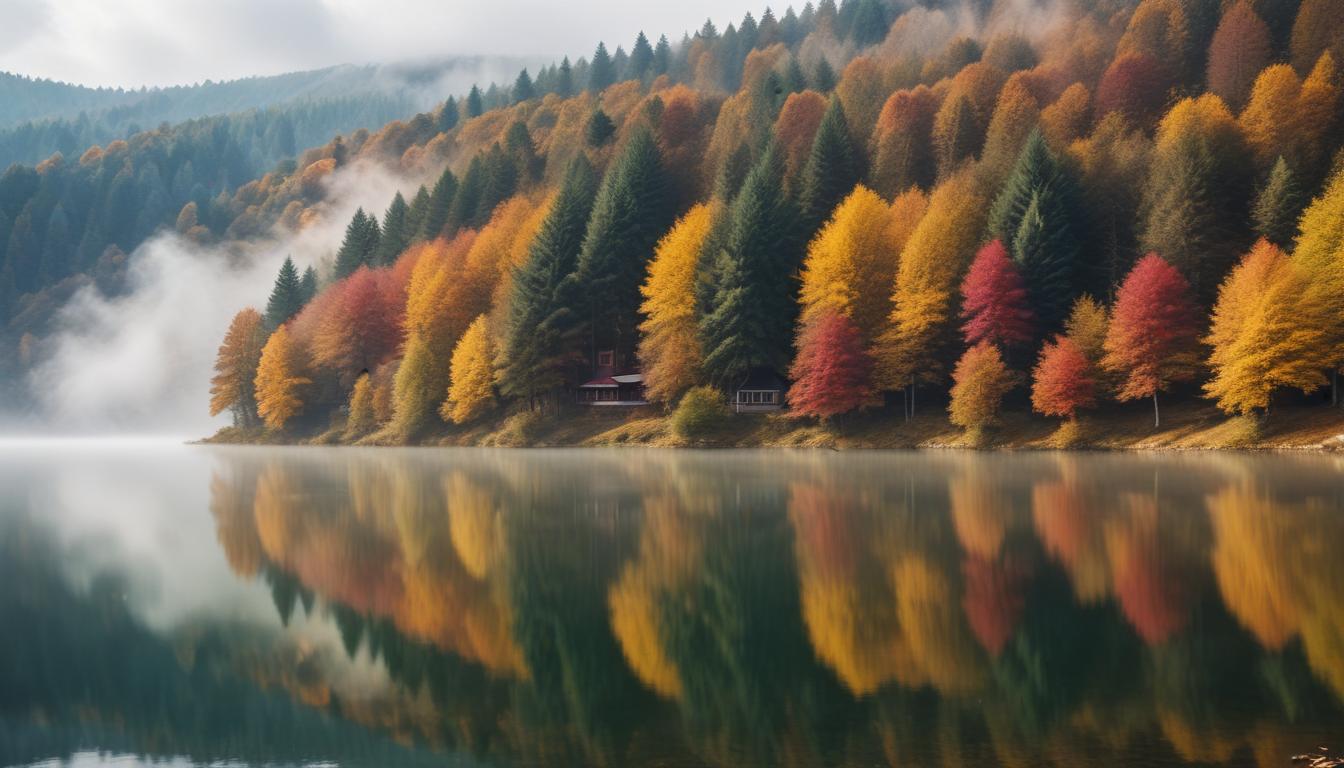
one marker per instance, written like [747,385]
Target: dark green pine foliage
[518,143]
[522,87]
[467,198]
[440,206]
[308,285]
[501,181]
[449,114]
[620,61]
[475,102]
[58,248]
[395,234]
[23,253]
[1045,256]
[641,59]
[869,24]
[662,57]
[733,172]
[286,297]
[360,244]
[1052,267]
[753,280]
[1279,205]
[601,70]
[823,77]
[831,171]
[634,207]
[564,79]
[795,79]
[417,213]
[540,340]
[599,129]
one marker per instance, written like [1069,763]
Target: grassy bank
[1188,426]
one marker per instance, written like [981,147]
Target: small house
[610,388]
[762,391]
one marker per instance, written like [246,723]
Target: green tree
[440,205]
[633,209]
[832,168]
[601,70]
[359,246]
[599,129]
[286,297]
[308,284]
[1279,205]
[395,235]
[641,58]
[523,88]
[753,288]
[475,103]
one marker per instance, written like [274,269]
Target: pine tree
[395,236]
[471,392]
[448,115]
[1152,338]
[662,57]
[832,371]
[752,291]
[823,77]
[232,387]
[440,206]
[601,70]
[1268,332]
[632,210]
[279,385]
[541,317]
[522,87]
[1279,205]
[475,103]
[832,168]
[416,214]
[1046,253]
[641,59]
[287,297]
[359,246]
[466,199]
[564,81]
[308,285]
[599,129]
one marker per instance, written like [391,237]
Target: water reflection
[649,608]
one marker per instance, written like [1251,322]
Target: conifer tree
[449,114]
[278,382]
[539,341]
[1046,254]
[823,77]
[1268,333]
[416,213]
[475,102]
[662,57]
[472,389]
[641,59]
[752,307]
[1279,205]
[832,168]
[440,206]
[287,297]
[467,198]
[523,89]
[308,284]
[394,237]
[360,244]
[599,129]
[564,81]
[1152,338]
[232,388]
[632,210]
[601,70]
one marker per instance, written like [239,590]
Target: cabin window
[756,397]
[605,359]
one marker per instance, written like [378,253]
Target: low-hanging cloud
[140,363]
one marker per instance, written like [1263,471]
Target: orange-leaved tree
[232,387]
[279,382]
[1062,382]
[980,382]
[1152,341]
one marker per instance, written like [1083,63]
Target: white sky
[165,42]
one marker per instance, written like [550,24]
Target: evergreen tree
[57,247]
[475,102]
[1279,205]
[753,289]
[308,285]
[869,25]
[601,70]
[1047,253]
[360,244]
[449,114]
[536,343]
[395,234]
[466,197]
[662,57]
[832,168]
[599,129]
[634,207]
[287,297]
[641,58]
[823,77]
[564,80]
[440,206]
[416,214]
[500,182]
[522,87]
[518,143]
[795,80]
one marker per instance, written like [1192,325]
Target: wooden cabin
[762,391]
[608,387]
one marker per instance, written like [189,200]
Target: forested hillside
[1136,198]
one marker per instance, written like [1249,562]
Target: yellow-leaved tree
[232,387]
[1320,255]
[669,346]
[910,349]
[851,263]
[1268,332]
[278,382]
[361,418]
[472,389]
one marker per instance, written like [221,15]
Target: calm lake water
[185,605]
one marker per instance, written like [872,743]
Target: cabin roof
[612,382]
[763,379]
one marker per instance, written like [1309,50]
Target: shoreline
[1186,427]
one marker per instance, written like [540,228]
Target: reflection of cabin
[608,387]
[762,391]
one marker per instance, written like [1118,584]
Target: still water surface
[189,605]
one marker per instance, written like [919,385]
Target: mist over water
[141,363]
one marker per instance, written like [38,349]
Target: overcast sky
[165,42]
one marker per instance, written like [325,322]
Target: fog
[141,363]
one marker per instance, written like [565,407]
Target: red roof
[605,381]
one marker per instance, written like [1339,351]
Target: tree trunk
[1157,417]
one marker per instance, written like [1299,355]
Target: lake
[185,605]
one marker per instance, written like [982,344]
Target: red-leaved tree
[1062,381]
[1135,85]
[1152,340]
[832,372]
[994,300]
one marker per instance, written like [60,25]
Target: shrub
[699,413]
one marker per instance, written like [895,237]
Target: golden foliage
[278,382]
[669,346]
[236,365]
[471,392]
